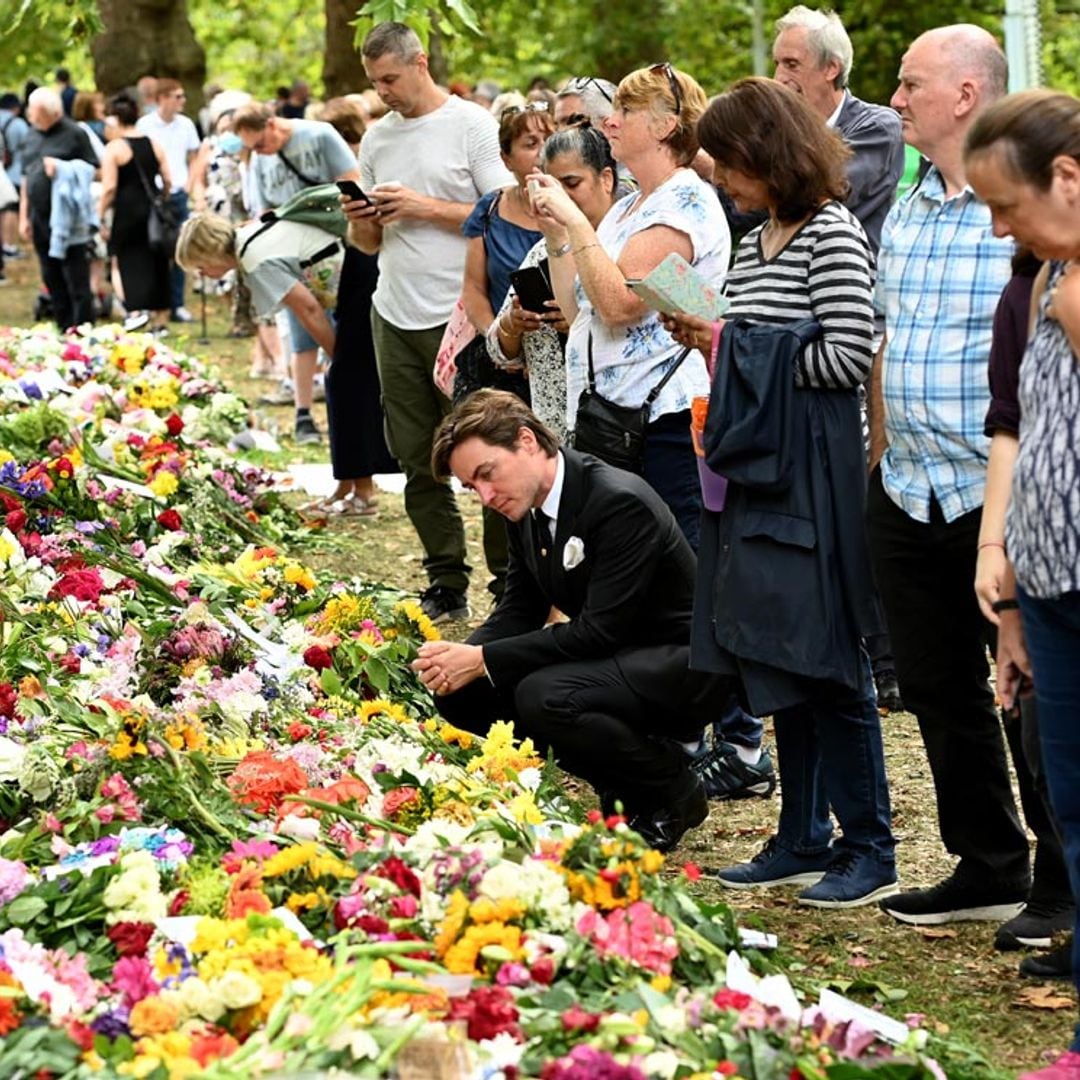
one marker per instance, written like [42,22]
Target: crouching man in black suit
[610,691]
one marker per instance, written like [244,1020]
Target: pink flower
[637,934]
[513,975]
[13,879]
[133,977]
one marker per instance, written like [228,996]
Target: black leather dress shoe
[1055,964]
[663,828]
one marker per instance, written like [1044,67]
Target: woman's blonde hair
[204,239]
[650,90]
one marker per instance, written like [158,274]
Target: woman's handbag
[477,371]
[616,433]
[162,228]
[458,333]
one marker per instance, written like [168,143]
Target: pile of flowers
[236,840]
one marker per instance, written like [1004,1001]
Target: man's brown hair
[771,134]
[493,416]
[165,87]
[251,117]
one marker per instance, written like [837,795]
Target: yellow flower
[662,983]
[524,809]
[7,549]
[415,614]
[295,574]
[152,1016]
[457,911]
[128,358]
[164,483]
[382,707]
[289,859]
[461,957]
[452,735]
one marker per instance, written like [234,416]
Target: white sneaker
[181,314]
[318,388]
[282,394]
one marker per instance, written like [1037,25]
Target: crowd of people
[889,456]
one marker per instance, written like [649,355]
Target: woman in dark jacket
[785,592]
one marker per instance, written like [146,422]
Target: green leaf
[378,674]
[330,681]
[24,909]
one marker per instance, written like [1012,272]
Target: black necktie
[541,532]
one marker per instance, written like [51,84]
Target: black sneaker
[888,693]
[726,776]
[663,828]
[1055,964]
[1036,925]
[955,900]
[441,604]
[305,432]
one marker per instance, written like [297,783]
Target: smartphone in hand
[533,288]
[352,190]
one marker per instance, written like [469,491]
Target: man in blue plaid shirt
[941,271]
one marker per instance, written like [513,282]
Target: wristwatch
[559,252]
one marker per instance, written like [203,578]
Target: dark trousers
[67,279]
[1052,630]
[179,202]
[925,572]
[413,408]
[672,472]
[595,724]
[830,751]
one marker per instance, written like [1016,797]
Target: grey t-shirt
[314,148]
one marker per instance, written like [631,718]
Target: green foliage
[422,16]
[41,35]
[29,432]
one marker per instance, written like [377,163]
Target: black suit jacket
[630,597]
[877,161]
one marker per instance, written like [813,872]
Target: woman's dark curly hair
[766,131]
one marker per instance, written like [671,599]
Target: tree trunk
[343,72]
[148,37]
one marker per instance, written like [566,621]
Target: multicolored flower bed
[236,842]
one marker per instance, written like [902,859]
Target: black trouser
[925,573]
[597,726]
[1050,876]
[67,279]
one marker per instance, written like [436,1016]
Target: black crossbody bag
[616,433]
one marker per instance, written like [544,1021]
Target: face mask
[230,143]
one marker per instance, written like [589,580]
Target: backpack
[319,206]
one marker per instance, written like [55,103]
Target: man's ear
[526,440]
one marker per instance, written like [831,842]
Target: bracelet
[577,251]
[559,252]
[506,333]
[991,543]
[1011,604]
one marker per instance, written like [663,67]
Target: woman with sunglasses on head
[580,159]
[1023,160]
[652,132]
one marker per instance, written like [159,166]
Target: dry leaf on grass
[937,932]
[1044,997]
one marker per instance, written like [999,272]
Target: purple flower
[112,1024]
[31,389]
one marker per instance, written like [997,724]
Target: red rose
[731,999]
[63,467]
[179,902]
[727,1068]
[393,869]
[488,1011]
[15,520]
[82,584]
[299,730]
[543,971]
[577,1019]
[9,502]
[9,699]
[174,425]
[130,938]
[71,663]
[692,871]
[170,519]
[318,657]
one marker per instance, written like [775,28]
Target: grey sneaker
[305,432]
[441,604]
[318,388]
[282,394]
[726,776]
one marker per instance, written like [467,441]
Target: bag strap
[267,220]
[654,393]
[327,252]
[306,180]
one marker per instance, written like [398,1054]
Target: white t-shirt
[452,154]
[178,137]
[630,360]
[272,263]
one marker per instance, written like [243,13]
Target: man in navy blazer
[813,57]
[610,690]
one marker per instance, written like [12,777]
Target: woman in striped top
[809,261]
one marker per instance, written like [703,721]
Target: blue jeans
[737,726]
[1052,630]
[179,202]
[829,749]
[671,470]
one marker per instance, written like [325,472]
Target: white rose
[236,990]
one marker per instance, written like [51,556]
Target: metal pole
[757,24]
[1023,43]
[205,339]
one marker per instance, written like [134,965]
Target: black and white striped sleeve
[840,284]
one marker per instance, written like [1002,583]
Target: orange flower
[212,1045]
[245,893]
[152,1016]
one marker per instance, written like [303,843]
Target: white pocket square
[574,553]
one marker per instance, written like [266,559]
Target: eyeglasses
[666,69]
[531,106]
[583,82]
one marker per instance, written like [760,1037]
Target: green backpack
[319,206]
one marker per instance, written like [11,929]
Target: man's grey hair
[597,96]
[392,38]
[825,37]
[46,99]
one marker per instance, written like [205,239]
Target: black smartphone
[533,287]
[352,190]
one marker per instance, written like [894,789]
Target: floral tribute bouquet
[235,839]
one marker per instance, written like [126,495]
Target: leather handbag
[616,433]
[162,228]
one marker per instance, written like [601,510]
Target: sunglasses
[666,69]
[530,107]
[583,82]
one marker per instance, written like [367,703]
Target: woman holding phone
[652,133]
[580,159]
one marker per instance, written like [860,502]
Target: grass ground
[951,976]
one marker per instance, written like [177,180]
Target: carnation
[14,877]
